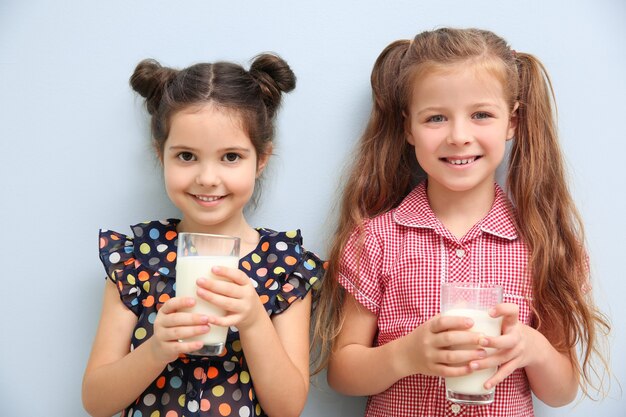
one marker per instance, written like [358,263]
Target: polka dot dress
[143,268]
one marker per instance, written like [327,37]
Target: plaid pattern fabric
[408,253]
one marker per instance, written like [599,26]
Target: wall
[75,152]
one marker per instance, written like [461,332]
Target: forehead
[459,81]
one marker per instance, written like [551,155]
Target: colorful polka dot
[140,333]
[244,377]
[144,248]
[193,406]
[205,405]
[175,382]
[224,409]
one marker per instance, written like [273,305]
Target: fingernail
[473,365]
[469,322]
[482,354]
[483,342]
[488,386]
[492,312]
[200,281]
[204,319]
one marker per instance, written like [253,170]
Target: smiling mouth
[208,199]
[460,161]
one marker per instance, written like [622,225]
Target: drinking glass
[473,301]
[197,253]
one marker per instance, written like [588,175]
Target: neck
[459,211]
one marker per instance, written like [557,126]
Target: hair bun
[274,76]
[149,80]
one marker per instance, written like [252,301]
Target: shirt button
[455,408]
[460,253]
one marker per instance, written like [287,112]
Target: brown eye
[186,156]
[231,157]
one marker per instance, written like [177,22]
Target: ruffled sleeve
[306,275]
[116,254]
[282,270]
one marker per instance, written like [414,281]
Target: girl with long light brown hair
[448,102]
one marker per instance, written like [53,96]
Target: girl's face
[458,122]
[210,167]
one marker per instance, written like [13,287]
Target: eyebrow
[436,109]
[229,149]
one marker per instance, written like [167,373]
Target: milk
[188,270]
[473,384]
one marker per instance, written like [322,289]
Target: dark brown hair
[254,94]
[381,176]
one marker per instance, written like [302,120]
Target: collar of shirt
[415,211]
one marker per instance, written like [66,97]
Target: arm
[358,368]
[272,347]
[114,376]
[551,374]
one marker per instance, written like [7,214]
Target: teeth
[207,199]
[461,161]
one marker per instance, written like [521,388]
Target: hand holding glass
[473,301]
[197,253]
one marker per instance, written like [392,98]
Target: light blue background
[75,153]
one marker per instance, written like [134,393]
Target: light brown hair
[383,173]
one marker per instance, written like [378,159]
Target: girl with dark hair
[212,127]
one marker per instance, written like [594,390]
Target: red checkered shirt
[408,254]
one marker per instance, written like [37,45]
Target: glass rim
[212,235]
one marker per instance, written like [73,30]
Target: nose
[460,133]
[207,175]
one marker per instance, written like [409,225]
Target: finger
[462,339]
[234,275]
[225,288]
[220,301]
[183,319]
[184,332]
[508,311]
[440,324]
[451,371]
[503,372]
[507,341]
[459,357]
[176,303]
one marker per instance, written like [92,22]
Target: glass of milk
[197,253]
[473,301]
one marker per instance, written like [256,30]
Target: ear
[513,120]
[263,160]
[407,129]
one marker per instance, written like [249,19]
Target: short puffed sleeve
[360,269]
[307,274]
[282,270]
[116,254]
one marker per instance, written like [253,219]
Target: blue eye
[186,156]
[231,157]
[437,118]
[482,115]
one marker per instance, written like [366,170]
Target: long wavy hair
[383,173]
